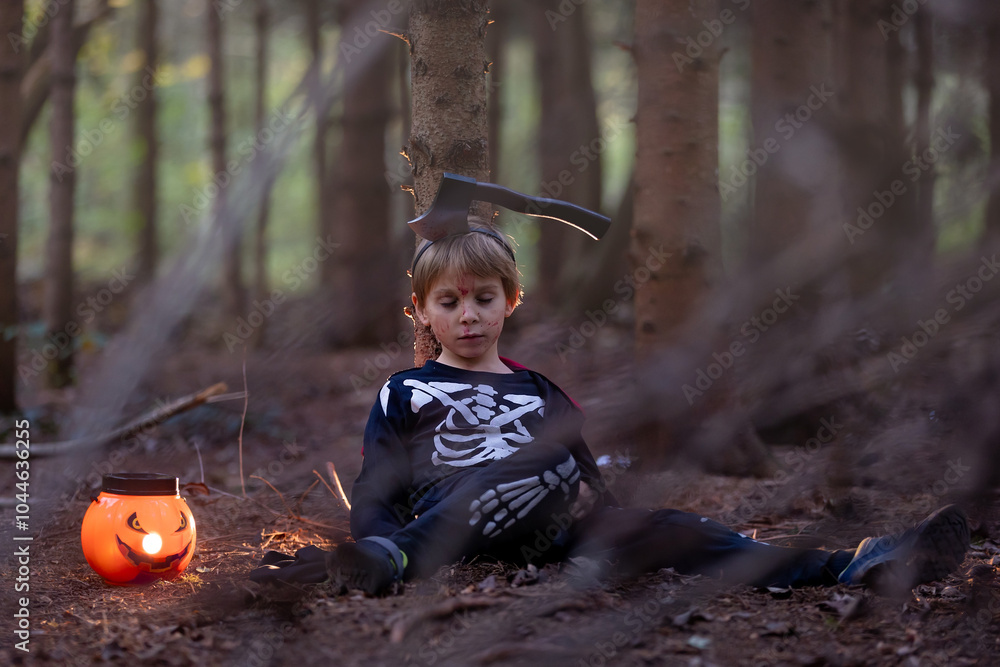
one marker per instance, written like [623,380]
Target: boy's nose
[468,312]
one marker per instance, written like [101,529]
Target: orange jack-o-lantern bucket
[138,529]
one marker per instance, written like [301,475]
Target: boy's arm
[565,425]
[380,496]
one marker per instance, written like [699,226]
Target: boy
[472,454]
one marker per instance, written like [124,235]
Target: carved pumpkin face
[132,539]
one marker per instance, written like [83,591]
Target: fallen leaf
[196,489]
[778,629]
[699,642]
[845,605]
[488,584]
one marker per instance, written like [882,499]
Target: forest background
[796,289]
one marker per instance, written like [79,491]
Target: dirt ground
[307,409]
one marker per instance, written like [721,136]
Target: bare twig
[246,400]
[332,472]
[330,488]
[302,498]
[151,418]
[283,502]
[201,466]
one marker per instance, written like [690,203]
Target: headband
[489,232]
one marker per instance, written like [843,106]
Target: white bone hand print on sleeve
[509,502]
[477,426]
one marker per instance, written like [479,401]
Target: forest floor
[308,409]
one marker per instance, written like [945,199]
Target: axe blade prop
[449,213]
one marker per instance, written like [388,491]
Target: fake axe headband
[449,214]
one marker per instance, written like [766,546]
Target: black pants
[518,508]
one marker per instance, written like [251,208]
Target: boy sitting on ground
[473,454]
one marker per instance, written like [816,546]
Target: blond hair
[482,252]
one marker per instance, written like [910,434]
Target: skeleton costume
[479,457]
[461,463]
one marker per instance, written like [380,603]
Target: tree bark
[676,242]
[992,74]
[868,142]
[37,79]
[361,205]
[11,15]
[676,185]
[59,249]
[262,20]
[449,119]
[924,232]
[324,220]
[570,143]
[232,276]
[790,58]
[145,186]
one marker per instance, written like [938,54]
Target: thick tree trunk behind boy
[449,125]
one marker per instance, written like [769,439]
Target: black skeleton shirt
[434,422]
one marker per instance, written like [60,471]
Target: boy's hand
[584,503]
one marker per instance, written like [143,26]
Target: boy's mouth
[470,336]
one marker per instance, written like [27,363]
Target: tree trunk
[232,277]
[676,244]
[992,231]
[59,250]
[145,186]
[36,84]
[925,91]
[361,205]
[324,221]
[790,59]
[570,144]
[866,86]
[11,14]
[676,193]
[261,20]
[449,127]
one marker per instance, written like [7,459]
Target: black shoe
[896,563]
[372,564]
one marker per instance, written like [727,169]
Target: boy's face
[466,314]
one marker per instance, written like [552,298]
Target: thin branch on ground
[145,421]
[246,401]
